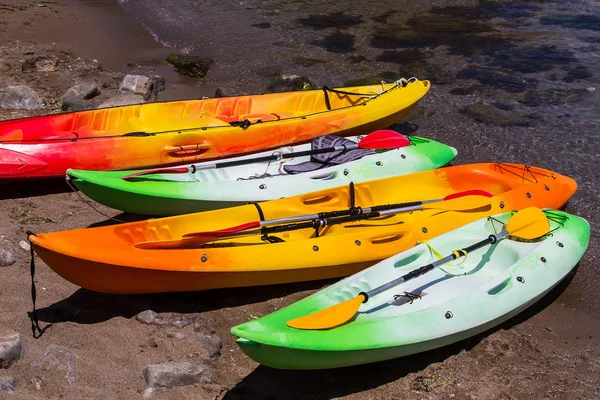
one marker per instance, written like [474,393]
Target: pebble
[8,384]
[24,245]
[20,97]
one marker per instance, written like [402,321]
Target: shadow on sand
[33,188]
[88,307]
[268,383]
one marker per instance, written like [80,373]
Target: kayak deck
[446,305]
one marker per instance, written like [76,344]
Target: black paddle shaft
[317,223]
[426,268]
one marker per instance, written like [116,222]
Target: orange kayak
[111,259]
[178,132]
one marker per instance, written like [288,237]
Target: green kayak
[212,188]
[446,305]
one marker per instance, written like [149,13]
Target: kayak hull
[100,252]
[178,132]
[204,190]
[451,315]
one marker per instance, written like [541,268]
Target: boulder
[228,92]
[20,97]
[160,377]
[192,66]
[210,342]
[122,100]
[40,64]
[147,86]
[11,348]
[288,83]
[83,91]
[8,252]
[76,104]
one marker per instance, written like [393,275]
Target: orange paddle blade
[329,317]
[529,223]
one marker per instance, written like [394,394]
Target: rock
[177,320]
[20,97]
[8,252]
[175,335]
[76,104]
[83,91]
[122,100]
[160,377]
[228,92]
[288,83]
[37,383]
[307,62]
[24,245]
[8,384]
[270,71]
[498,79]
[147,317]
[11,348]
[59,357]
[147,86]
[40,64]
[208,339]
[491,115]
[192,66]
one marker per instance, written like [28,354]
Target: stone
[490,115]
[76,104]
[177,320]
[160,377]
[83,91]
[210,342]
[40,64]
[8,252]
[8,384]
[12,348]
[20,97]
[122,100]
[147,317]
[147,86]
[37,382]
[24,245]
[228,92]
[192,66]
[175,335]
[288,83]
[60,358]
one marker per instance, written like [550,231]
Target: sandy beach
[94,347]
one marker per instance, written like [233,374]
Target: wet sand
[549,351]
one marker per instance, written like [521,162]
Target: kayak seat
[324,160]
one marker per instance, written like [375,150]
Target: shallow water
[539,61]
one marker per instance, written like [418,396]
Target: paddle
[529,223]
[454,203]
[382,139]
[410,206]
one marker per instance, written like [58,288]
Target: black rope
[35,325]
[410,296]
[525,169]
[261,215]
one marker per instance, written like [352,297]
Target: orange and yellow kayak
[111,259]
[177,132]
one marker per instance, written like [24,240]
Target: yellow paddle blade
[329,317]
[469,203]
[529,223]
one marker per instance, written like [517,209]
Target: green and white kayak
[446,305]
[208,189]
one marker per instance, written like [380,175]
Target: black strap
[261,215]
[327,102]
[35,325]
[352,196]
[242,124]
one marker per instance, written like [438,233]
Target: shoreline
[551,349]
